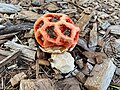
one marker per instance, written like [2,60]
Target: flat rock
[9,8]
[102,76]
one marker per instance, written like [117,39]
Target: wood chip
[18,77]
[83,21]
[8,59]
[80,77]
[52,7]
[93,36]
[102,75]
[80,63]
[32,16]
[3,41]
[26,51]
[99,56]
[7,36]
[36,84]
[68,84]
[43,62]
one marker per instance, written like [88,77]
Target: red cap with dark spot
[56,29]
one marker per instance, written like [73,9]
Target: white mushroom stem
[63,62]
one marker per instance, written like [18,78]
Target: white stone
[63,62]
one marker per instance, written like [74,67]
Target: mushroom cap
[56,30]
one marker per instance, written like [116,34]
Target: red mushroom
[56,30]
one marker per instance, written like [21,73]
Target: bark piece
[32,16]
[87,69]
[8,59]
[3,41]
[43,62]
[114,29]
[116,80]
[52,7]
[93,36]
[6,36]
[26,51]
[80,77]
[80,63]
[99,56]
[117,72]
[37,69]
[81,2]
[105,25]
[16,28]
[36,84]
[18,77]
[83,43]
[68,84]
[8,8]
[102,75]
[84,20]
[2,27]
[7,53]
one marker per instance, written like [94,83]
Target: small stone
[63,62]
